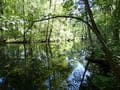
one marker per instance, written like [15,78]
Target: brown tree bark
[115,68]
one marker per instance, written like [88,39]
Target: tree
[114,66]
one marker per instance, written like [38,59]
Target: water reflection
[39,66]
[78,76]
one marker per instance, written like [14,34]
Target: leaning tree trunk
[115,68]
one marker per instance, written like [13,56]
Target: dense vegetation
[94,21]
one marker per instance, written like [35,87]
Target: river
[41,66]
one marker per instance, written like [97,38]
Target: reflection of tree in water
[58,73]
[29,66]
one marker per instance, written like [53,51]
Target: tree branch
[58,16]
[64,16]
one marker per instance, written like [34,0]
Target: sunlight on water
[75,78]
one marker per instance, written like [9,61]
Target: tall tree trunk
[88,28]
[47,31]
[116,17]
[49,36]
[96,31]
[24,32]
[114,66]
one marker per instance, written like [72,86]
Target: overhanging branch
[59,16]
[64,16]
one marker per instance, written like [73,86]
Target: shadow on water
[42,67]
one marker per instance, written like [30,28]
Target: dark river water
[55,66]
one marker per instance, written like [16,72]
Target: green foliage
[60,64]
[104,83]
[68,5]
[17,23]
